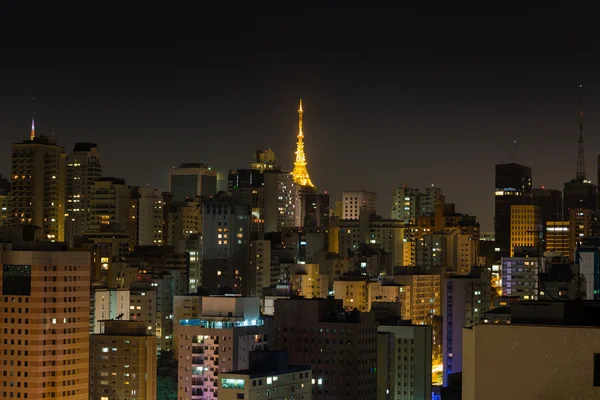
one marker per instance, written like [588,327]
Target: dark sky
[391,96]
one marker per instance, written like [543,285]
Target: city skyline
[369,100]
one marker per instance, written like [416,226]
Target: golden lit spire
[300,173]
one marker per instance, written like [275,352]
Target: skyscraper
[83,169]
[513,187]
[354,200]
[38,185]
[44,322]
[189,180]
[123,362]
[150,217]
[225,236]
[281,202]
[550,201]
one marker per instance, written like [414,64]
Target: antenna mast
[32,135]
[580,176]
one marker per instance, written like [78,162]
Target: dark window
[596,369]
[16,280]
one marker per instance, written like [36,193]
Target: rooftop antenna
[580,176]
[32,135]
[510,154]
[515,143]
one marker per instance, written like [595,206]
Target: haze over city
[390,96]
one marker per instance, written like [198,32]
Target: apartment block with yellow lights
[44,323]
[38,186]
[122,362]
[83,169]
[526,227]
[558,237]
[361,292]
[425,294]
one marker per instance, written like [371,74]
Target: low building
[269,375]
[217,340]
[122,362]
[550,350]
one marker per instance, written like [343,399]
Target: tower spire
[300,173]
[32,135]
[580,176]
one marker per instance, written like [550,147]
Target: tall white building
[150,217]
[282,202]
[354,200]
[217,341]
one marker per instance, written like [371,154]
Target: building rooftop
[84,146]
[499,311]
[193,165]
[119,181]
[120,327]
[267,363]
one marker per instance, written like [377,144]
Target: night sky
[391,96]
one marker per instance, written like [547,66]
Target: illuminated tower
[300,173]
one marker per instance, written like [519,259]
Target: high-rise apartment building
[371,229]
[548,350]
[270,375]
[341,347]
[315,211]
[583,223]
[217,341]
[579,194]
[281,202]
[83,169]
[550,202]
[361,293]
[44,323]
[526,227]
[38,186]
[354,200]
[110,304]
[151,302]
[226,230]
[183,220]
[150,217]
[425,293]
[111,205]
[513,187]
[588,258]
[264,160]
[260,266]
[558,237]
[404,360]
[122,362]
[520,276]
[190,180]
[408,204]
[464,299]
